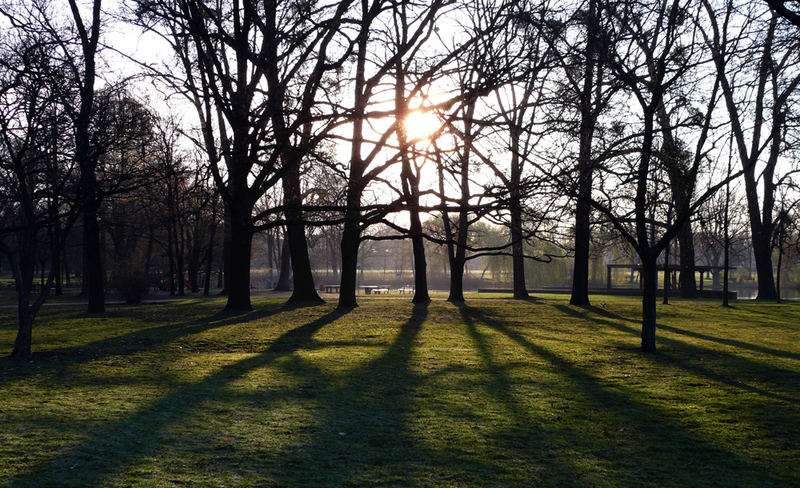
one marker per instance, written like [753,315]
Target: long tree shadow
[124,344]
[653,425]
[124,438]
[731,342]
[737,365]
[677,330]
[360,428]
[527,436]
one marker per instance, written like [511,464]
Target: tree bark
[456,279]
[421,294]
[459,254]
[350,245]
[518,251]
[762,252]
[284,277]
[241,235]
[304,289]
[649,294]
[22,344]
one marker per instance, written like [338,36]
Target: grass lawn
[495,393]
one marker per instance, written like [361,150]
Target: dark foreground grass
[495,393]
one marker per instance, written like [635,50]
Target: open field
[494,393]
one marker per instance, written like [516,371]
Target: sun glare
[420,125]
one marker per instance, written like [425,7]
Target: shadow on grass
[677,330]
[365,426]
[652,425]
[735,365]
[124,438]
[527,434]
[125,344]
[731,342]
[360,428]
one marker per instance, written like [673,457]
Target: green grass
[495,393]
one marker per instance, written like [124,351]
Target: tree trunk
[580,270]
[762,252]
[22,344]
[458,261]
[93,267]
[687,283]
[303,279]
[420,265]
[350,244]
[303,289]
[518,251]
[649,294]
[241,235]
[456,280]
[284,277]
[410,185]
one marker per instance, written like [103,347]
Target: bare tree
[634,206]
[581,43]
[39,202]
[372,68]
[758,90]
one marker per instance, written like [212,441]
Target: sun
[421,124]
